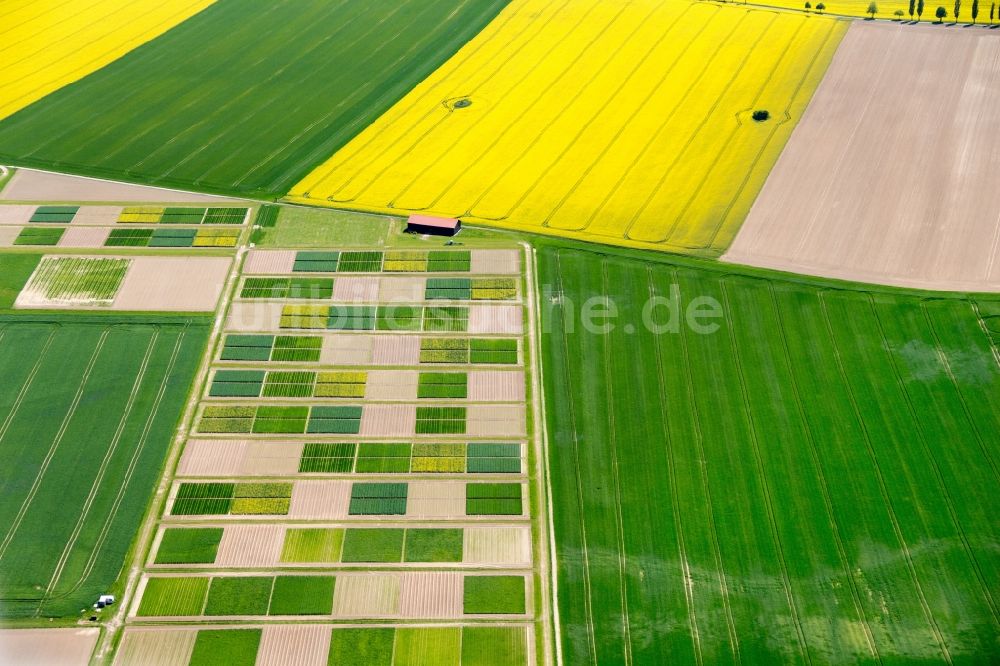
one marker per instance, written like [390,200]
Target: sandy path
[47,647]
[886,178]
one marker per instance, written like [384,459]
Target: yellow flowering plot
[617,122]
[47,44]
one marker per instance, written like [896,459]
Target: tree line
[916,10]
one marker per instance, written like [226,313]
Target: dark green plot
[184,545]
[485,350]
[442,385]
[304,287]
[378,499]
[329,458]
[340,420]
[302,595]
[456,289]
[182,216]
[54,214]
[398,318]
[351,318]
[372,545]
[239,595]
[247,347]
[39,236]
[129,238]
[493,499]
[448,261]
[440,420]
[297,348]
[446,319]
[264,287]
[172,238]
[361,647]
[434,545]
[236,383]
[493,458]
[383,458]
[232,647]
[225,216]
[203,499]
[494,595]
[360,262]
[316,262]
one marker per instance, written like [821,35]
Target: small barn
[437,226]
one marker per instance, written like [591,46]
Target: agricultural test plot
[886,178]
[353,464]
[46,46]
[824,460]
[138,283]
[34,185]
[622,123]
[219,122]
[314,644]
[88,407]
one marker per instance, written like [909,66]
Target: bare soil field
[307,645]
[269,262]
[356,289]
[496,386]
[250,546]
[891,175]
[496,421]
[17,215]
[496,319]
[47,647]
[185,284]
[497,545]
[156,647]
[30,185]
[7,235]
[496,262]
[85,237]
[347,349]
[389,421]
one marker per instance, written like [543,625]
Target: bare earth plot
[47,647]
[32,185]
[891,176]
[172,284]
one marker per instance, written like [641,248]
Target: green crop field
[276,87]
[88,407]
[813,482]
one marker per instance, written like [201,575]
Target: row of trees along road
[917,10]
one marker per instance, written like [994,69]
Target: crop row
[436,319]
[172,237]
[393,261]
[281,420]
[181,215]
[402,458]
[251,596]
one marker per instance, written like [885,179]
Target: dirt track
[891,175]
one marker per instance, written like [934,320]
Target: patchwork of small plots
[360,455]
[94,227]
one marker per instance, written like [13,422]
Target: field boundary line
[548,566]
[609,367]
[674,499]
[565,38]
[587,600]
[43,468]
[928,615]
[134,460]
[322,173]
[765,485]
[392,94]
[823,483]
[986,332]
[99,477]
[734,638]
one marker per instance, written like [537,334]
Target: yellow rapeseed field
[616,121]
[47,44]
